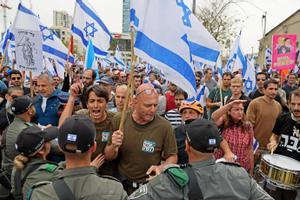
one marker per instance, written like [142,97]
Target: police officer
[204,178]
[79,180]
[23,109]
[31,166]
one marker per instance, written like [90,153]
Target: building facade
[126,16]
[290,25]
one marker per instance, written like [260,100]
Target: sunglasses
[260,79]
[16,78]
[147,91]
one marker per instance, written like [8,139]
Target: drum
[281,171]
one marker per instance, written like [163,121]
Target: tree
[217,19]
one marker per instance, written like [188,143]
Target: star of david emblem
[46,33]
[248,85]
[186,13]
[90,29]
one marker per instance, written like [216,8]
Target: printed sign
[29,54]
[284,52]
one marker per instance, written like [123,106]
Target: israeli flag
[89,56]
[233,56]
[88,26]
[162,39]
[242,62]
[52,45]
[119,58]
[268,56]
[8,36]
[54,68]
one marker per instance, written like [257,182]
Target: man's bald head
[144,88]
[145,103]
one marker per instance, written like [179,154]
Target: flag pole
[31,85]
[130,84]
[4,55]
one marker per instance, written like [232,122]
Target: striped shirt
[174,117]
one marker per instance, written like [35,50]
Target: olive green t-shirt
[143,146]
[103,136]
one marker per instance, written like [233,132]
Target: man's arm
[274,140]
[68,111]
[111,150]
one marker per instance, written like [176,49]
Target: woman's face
[237,112]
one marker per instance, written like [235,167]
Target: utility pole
[264,23]
[194,7]
[4,7]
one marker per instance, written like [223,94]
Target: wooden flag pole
[4,55]
[130,84]
[31,85]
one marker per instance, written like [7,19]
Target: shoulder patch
[110,178]
[28,124]
[230,163]
[141,191]
[178,175]
[49,167]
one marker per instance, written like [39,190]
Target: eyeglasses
[147,91]
[198,80]
[259,79]
[16,78]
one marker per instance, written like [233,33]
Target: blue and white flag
[119,59]
[8,36]
[233,56]
[241,61]
[162,39]
[52,45]
[54,67]
[87,25]
[89,56]
[268,57]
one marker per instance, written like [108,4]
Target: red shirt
[170,101]
[240,143]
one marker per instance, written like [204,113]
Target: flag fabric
[119,59]
[8,36]
[54,67]
[87,25]
[268,57]
[238,60]
[233,56]
[52,45]
[162,39]
[89,56]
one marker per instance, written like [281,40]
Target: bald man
[148,140]
[120,96]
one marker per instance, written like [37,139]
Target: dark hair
[181,92]
[14,71]
[292,73]
[262,73]
[270,81]
[229,122]
[206,70]
[94,73]
[227,74]
[295,93]
[100,91]
[198,74]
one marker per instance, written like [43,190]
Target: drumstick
[272,150]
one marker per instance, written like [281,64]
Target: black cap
[21,104]
[203,135]
[32,138]
[78,130]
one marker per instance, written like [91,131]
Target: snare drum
[281,171]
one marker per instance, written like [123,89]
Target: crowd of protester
[154,130]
